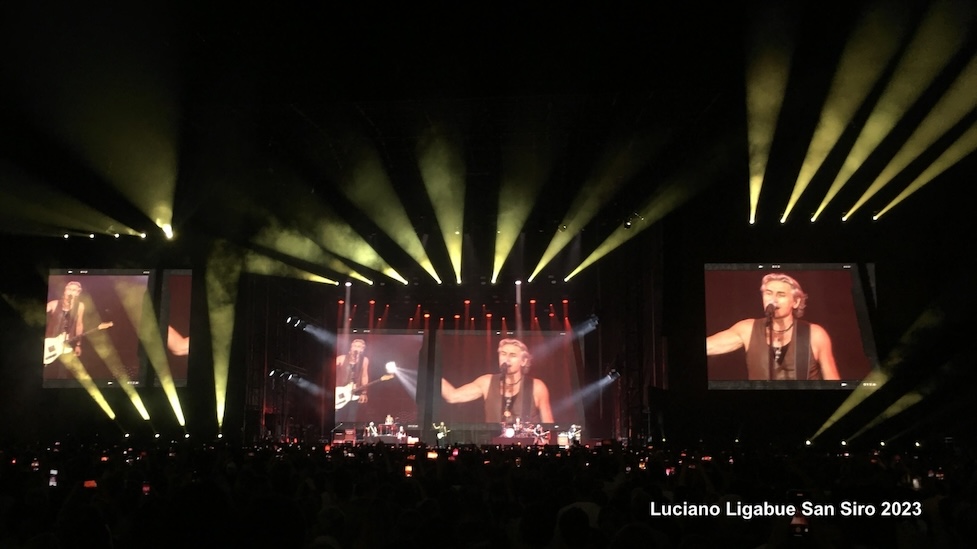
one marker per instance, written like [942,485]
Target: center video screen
[376,380]
[503,379]
[92,327]
[787,326]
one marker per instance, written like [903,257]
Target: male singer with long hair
[352,367]
[65,317]
[509,394]
[779,346]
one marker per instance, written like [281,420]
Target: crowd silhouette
[274,494]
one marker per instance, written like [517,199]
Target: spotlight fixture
[296,322]
[613,375]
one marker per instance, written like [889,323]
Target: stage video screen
[376,380]
[509,381]
[175,317]
[787,326]
[92,327]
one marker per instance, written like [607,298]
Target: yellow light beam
[941,33]
[139,308]
[951,108]
[359,174]
[77,369]
[292,243]
[105,348]
[525,170]
[670,195]
[928,322]
[767,70]
[369,188]
[223,273]
[27,199]
[264,265]
[114,103]
[443,172]
[961,148]
[872,46]
[620,163]
[338,237]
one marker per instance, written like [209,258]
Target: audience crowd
[183,493]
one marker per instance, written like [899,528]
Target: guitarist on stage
[353,367]
[442,433]
[65,316]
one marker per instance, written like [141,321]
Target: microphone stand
[771,357]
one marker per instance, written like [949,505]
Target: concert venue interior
[608,187]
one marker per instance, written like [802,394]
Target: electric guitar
[61,344]
[347,393]
[442,434]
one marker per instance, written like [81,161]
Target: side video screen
[787,326]
[93,319]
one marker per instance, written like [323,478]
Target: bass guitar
[347,393]
[62,344]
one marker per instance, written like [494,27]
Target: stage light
[66,236]
[869,51]
[627,223]
[167,231]
[807,443]
[613,375]
[142,236]
[272,373]
[391,367]
[937,38]
[223,272]
[91,236]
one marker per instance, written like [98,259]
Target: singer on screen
[352,380]
[779,346]
[510,393]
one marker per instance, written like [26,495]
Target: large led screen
[786,326]
[175,316]
[375,377]
[500,379]
[92,327]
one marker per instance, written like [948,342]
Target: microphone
[769,310]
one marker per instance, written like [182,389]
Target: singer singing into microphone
[508,394]
[779,346]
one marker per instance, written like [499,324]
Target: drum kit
[517,430]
